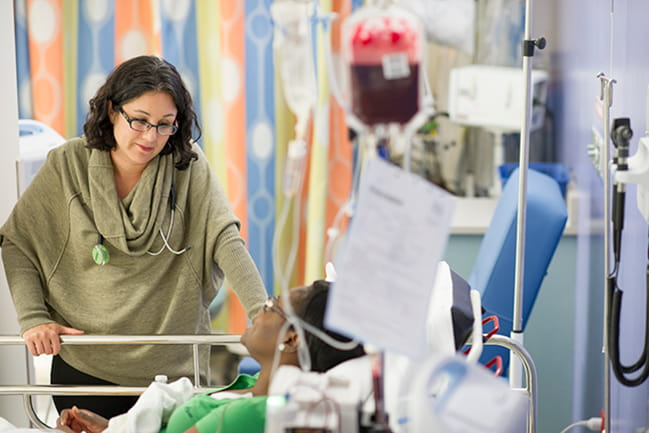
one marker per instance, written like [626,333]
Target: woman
[125,230]
[218,411]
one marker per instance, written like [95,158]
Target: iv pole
[515,376]
[606,96]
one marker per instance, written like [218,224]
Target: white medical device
[319,402]
[638,173]
[492,97]
[638,170]
[36,140]
[454,395]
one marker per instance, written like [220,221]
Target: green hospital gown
[242,415]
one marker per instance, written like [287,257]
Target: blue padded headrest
[495,266]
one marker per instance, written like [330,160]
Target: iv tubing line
[611,37]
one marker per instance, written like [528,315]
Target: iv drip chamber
[292,44]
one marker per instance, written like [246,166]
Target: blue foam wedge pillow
[494,270]
[248,365]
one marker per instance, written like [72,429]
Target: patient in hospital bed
[240,406]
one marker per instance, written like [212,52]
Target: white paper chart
[386,271]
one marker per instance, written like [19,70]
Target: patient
[222,410]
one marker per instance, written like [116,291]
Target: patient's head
[309,303]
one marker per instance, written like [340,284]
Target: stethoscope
[100,253]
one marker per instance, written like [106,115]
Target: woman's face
[135,149]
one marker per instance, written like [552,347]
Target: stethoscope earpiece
[100,253]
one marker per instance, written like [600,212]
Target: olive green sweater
[47,247]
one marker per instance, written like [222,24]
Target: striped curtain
[224,51]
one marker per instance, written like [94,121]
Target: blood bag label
[395,66]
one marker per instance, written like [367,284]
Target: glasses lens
[167,129]
[139,125]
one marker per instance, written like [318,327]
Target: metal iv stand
[529,45]
[606,96]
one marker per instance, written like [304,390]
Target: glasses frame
[148,125]
[271,305]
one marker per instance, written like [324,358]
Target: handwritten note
[386,271]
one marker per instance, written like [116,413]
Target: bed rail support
[531,379]
[27,391]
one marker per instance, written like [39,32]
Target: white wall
[588,40]
[13,369]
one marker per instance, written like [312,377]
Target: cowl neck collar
[130,225]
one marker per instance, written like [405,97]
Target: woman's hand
[44,339]
[77,420]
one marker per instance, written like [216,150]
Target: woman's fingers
[44,339]
[69,331]
[63,330]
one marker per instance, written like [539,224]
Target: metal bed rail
[515,347]
[531,379]
[28,390]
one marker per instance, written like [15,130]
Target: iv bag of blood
[383,48]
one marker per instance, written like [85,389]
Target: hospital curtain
[224,51]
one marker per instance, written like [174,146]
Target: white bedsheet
[7,427]
[153,408]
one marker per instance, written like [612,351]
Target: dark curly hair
[130,80]
[312,310]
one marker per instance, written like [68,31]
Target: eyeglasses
[141,125]
[271,305]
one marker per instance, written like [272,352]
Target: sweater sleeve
[25,286]
[233,258]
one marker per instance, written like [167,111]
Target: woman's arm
[40,333]
[25,285]
[233,258]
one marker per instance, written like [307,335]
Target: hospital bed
[454,314]
[447,279]
[433,388]
[29,390]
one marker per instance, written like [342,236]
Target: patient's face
[261,338]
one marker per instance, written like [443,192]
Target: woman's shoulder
[200,162]
[74,144]
[73,148]
[67,160]
[200,178]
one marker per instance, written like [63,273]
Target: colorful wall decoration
[224,51]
